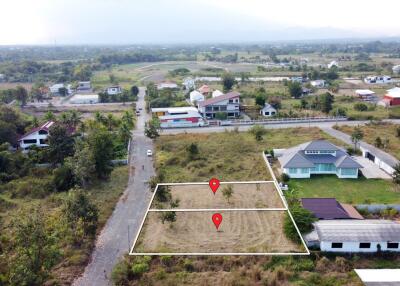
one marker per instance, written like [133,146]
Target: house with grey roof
[347,235]
[318,157]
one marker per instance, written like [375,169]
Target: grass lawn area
[226,155]
[383,130]
[352,191]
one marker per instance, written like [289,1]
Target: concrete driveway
[371,170]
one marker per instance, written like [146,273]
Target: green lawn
[347,190]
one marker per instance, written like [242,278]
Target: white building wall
[298,174]
[355,247]
[383,165]
[34,136]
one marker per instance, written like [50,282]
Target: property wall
[354,247]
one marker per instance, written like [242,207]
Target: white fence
[278,120]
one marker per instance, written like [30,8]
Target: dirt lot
[240,231]
[262,195]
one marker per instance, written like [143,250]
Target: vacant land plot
[386,131]
[255,195]
[229,156]
[355,191]
[239,232]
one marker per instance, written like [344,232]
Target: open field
[229,156]
[194,232]
[354,191]
[260,195]
[384,131]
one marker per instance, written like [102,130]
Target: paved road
[269,125]
[117,236]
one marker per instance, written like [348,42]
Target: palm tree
[128,118]
[35,122]
[99,117]
[75,118]
[110,121]
[64,118]
[124,132]
[49,116]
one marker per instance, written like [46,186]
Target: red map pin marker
[217,219]
[214,184]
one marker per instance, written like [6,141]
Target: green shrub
[139,268]
[120,274]
[285,178]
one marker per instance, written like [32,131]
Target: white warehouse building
[84,99]
[352,236]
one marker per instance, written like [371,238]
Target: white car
[149,153]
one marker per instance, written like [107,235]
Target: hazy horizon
[123,22]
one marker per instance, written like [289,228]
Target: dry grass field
[194,232]
[254,195]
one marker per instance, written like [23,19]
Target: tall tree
[81,214]
[101,144]
[295,89]
[61,143]
[21,94]
[134,90]
[35,249]
[228,81]
[356,136]
[82,164]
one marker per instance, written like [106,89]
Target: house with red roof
[37,136]
[227,103]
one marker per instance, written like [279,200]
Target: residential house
[55,89]
[2,77]
[319,83]
[333,64]
[392,97]
[352,236]
[84,86]
[37,136]
[318,157]
[396,69]
[268,110]
[196,96]
[366,95]
[298,79]
[205,90]
[189,83]
[306,91]
[228,103]
[381,79]
[114,90]
[216,93]
[330,208]
[167,85]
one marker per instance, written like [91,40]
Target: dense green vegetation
[50,213]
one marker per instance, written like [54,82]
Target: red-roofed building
[227,103]
[37,136]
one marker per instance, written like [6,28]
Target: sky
[193,21]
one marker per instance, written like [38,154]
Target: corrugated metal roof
[358,230]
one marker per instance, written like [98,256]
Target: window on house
[292,170]
[208,108]
[365,245]
[42,132]
[304,170]
[223,108]
[230,100]
[337,245]
[230,114]
[348,172]
[266,112]
[30,141]
[43,141]
[216,108]
[392,245]
[236,100]
[273,113]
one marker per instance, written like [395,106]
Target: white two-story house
[37,136]
[227,103]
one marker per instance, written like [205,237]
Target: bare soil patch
[252,195]
[194,232]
